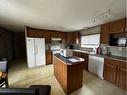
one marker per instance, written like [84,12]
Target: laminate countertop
[69,60]
[124,59]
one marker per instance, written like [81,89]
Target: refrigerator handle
[36,50]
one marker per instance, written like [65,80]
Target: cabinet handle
[36,51]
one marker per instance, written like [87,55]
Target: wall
[6,48]
[12,44]
[3,46]
[19,44]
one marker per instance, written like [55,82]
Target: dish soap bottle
[98,50]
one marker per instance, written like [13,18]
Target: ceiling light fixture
[102,15]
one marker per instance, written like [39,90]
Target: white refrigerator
[35,51]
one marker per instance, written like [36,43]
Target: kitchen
[63,47]
[105,59]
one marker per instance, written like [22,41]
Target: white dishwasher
[96,65]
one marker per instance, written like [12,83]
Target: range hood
[56,40]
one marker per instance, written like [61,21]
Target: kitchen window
[90,41]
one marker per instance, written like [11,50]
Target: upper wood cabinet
[118,26]
[72,37]
[54,34]
[104,38]
[115,72]
[76,37]
[39,33]
[69,37]
[63,36]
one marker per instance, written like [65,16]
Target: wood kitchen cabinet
[69,38]
[72,37]
[70,77]
[118,26]
[76,37]
[84,56]
[63,36]
[75,53]
[39,33]
[104,37]
[110,70]
[121,78]
[115,72]
[48,57]
[54,34]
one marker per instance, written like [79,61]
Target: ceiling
[62,15]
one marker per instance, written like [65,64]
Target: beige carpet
[20,76]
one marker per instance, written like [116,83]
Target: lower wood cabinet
[110,70]
[48,57]
[75,53]
[70,77]
[84,56]
[115,72]
[121,78]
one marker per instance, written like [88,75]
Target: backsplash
[48,46]
[114,50]
[118,51]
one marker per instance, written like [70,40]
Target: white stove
[55,49]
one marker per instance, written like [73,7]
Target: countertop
[104,56]
[67,61]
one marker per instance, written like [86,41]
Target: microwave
[122,41]
[118,40]
[66,52]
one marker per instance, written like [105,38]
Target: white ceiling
[63,15]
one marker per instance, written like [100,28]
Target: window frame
[97,45]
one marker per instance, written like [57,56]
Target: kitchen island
[68,72]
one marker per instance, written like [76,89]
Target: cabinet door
[40,51]
[69,37]
[78,54]
[30,52]
[104,37]
[76,37]
[48,57]
[85,57]
[121,79]
[63,36]
[110,70]
[117,26]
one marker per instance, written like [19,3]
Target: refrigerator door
[30,52]
[40,51]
